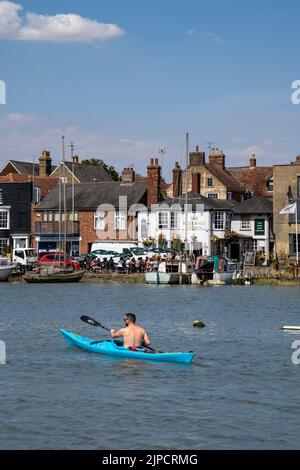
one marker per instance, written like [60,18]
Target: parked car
[56,260]
[101,254]
[162,252]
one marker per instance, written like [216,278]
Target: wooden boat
[47,275]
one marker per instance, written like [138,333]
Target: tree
[109,168]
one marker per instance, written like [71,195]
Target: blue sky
[222,70]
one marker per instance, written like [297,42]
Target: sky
[125,78]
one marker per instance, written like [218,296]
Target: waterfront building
[105,211]
[286,191]
[257,180]
[209,179]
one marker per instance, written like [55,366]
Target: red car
[57,260]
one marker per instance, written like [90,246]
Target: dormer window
[270,185]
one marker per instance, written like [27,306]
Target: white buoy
[291,328]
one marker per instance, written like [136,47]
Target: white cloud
[214,37]
[191,32]
[56,28]
[18,119]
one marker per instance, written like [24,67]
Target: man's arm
[117,334]
[147,339]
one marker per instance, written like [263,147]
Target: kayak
[115,348]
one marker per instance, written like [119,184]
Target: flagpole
[297,243]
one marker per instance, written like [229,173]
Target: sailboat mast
[186,192]
[64,199]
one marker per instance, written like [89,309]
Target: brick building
[286,190]
[209,179]
[105,210]
[257,180]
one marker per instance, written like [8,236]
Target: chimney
[297,162]
[75,159]
[196,182]
[197,158]
[45,164]
[154,182]
[177,181]
[217,158]
[128,175]
[253,161]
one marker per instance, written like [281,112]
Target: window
[1,196]
[75,216]
[99,221]
[56,216]
[213,196]
[120,221]
[270,185]
[174,220]
[209,182]
[163,220]
[4,243]
[219,220]
[254,245]
[293,244]
[229,195]
[298,186]
[245,222]
[36,195]
[144,228]
[4,219]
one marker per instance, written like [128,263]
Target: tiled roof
[255,205]
[26,168]
[90,196]
[209,204]
[44,183]
[254,179]
[225,177]
[89,173]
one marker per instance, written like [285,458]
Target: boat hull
[167,278]
[5,272]
[37,278]
[110,348]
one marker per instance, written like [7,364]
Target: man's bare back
[134,335]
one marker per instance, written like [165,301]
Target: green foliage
[99,162]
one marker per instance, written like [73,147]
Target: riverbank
[283,282]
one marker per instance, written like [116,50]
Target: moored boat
[47,275]
[115,348]
[6,268]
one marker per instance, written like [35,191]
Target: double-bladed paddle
[92,322]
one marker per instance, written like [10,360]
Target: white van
[118,246]
[25,256]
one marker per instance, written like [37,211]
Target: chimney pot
[151,161]
[156,162]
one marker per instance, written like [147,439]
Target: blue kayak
[115,348]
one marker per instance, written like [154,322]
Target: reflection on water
[240,392]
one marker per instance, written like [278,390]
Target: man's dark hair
[131,317]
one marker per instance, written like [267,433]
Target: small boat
[6,268]
[49,274]
[291,328]
[116,348]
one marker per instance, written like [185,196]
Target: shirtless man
[134,335]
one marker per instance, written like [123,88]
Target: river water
[241,392]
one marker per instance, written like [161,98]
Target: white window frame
[245,223]
[99,221]
[163,220]
[36,195]
[174,220]
[212,195]
[7,211]
[75,216]
[120,221]
[219,220]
